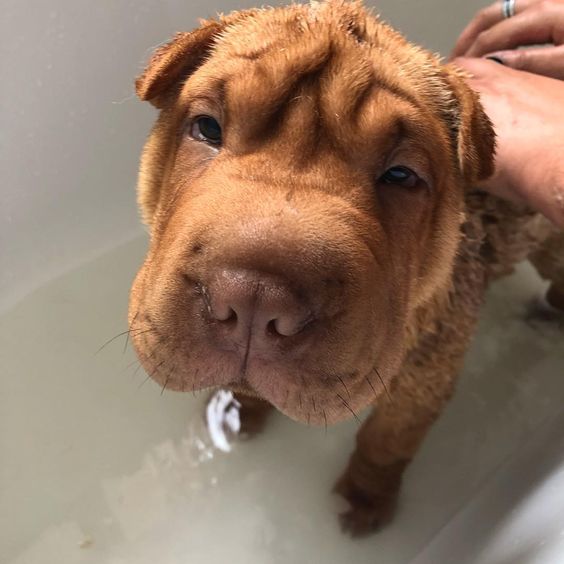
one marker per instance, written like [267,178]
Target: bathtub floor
[99,467]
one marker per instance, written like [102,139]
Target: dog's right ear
[175,60]
[475,136]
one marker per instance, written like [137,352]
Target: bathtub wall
[71,129]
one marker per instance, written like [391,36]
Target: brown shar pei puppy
[316,244]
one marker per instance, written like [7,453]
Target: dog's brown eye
[401,176]
[206,128]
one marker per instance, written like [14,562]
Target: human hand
[535,22]
[527,111]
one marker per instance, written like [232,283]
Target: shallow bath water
[99,467]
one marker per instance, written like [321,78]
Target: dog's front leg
[388,440]
[254,413]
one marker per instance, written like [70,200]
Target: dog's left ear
[475,136]
[175,60]
[181,56]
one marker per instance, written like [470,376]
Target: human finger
[542,23]
[483,20]
[547,61]
[480,68]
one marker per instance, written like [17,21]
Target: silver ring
[508,8]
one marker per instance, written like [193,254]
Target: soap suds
[222,417]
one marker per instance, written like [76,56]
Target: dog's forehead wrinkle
[279,36]
[281,30]
[283,53]
[343,95]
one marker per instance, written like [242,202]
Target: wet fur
[445,248]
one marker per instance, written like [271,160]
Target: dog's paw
[368,512]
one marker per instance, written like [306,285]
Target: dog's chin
[312,397]
[306,395]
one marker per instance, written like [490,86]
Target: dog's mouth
[305,387]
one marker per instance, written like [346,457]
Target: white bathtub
[99,467]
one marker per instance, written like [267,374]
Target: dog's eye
[401,176]
[206,128]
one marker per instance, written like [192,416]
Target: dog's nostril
[223,312]
[244,304]
[271,328]
[232,316]
[288,325]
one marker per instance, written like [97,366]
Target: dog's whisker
[383,385]
[138,331]
[344,386]
[137,370]
[325,418]
[167,378]
[194,382]
[285,403]
[349,408]
[370,384]
[156,368]
[131,365]
[145,380]
[132,96]
[151,355]
[127,337]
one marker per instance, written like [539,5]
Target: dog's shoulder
[495,236]
[501,233]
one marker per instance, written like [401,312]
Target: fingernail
[495,59]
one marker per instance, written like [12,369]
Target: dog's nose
[253,305]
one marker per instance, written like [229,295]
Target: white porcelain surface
[518,517]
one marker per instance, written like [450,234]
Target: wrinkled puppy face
[303,187]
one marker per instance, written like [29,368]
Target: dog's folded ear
[174,61]
[473,130]
[183,54]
